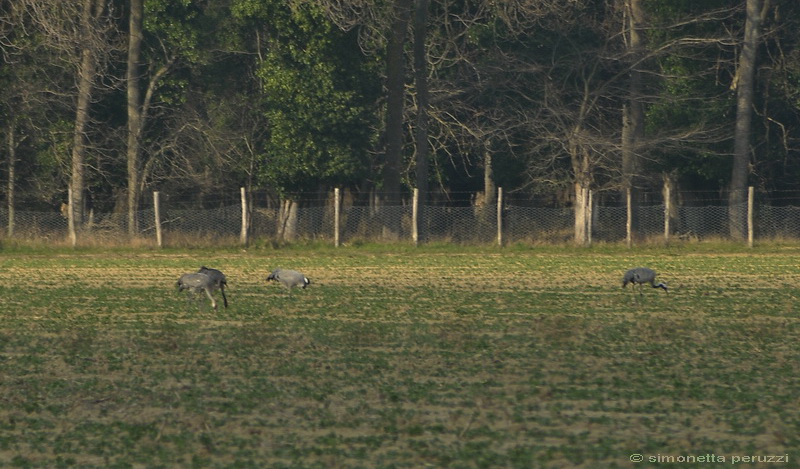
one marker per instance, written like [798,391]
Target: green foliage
[175,31]
[317,97]
[174,23]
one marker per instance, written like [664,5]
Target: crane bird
[220,282]
[195,283]
[289,278]
[642,275]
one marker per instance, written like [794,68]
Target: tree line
[105,100]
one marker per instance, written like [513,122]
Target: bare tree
[140,105]
[81,33]
[135,116]
[395,99]
[421,82]
[744,82]
[31,96]
[91,12]
[8,47]
[633,117]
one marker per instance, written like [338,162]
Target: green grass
[396,357]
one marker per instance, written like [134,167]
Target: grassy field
[402,358]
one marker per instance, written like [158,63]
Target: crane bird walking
[289,278]
[642,275]
[195,283]
[220,282]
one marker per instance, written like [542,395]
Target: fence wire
[436,223]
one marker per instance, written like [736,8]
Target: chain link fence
[520,222]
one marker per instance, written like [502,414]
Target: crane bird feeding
[219,280]
[195,283]
[289,278]
[642,275]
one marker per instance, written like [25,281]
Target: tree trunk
[581,166]
[633,111]
[744,103]
[86,76]
[489,185]
[134,111]
[582,213]
[485,203]
[421,80]
[288,220]
[670,193]
[395,89]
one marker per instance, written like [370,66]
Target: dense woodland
[104,101]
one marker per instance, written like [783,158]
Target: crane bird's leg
[210,297]
[224,298]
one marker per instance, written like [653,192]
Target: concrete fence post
[157,210]
[750,222]
[629,219]
[500,216]
[337,203]
[590,218]
[415,217]
[243,234]
[667,211]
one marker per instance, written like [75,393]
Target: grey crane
[195,283]
[642,275]
[289,278]
[220,282]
